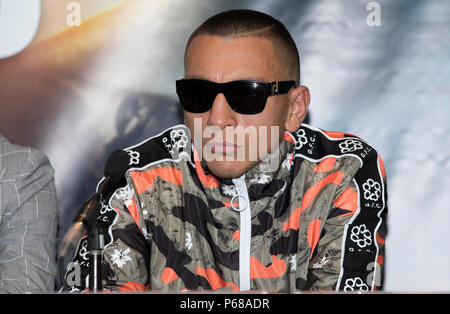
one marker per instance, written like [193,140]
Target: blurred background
[377,69]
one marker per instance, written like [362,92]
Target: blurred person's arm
[28,222]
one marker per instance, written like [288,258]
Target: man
[28,220]
[307,211]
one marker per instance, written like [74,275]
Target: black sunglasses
[244,97]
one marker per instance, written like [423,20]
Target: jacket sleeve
[125,256]
[350,253]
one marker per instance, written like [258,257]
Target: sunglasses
[244,97]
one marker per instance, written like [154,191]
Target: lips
[222,147]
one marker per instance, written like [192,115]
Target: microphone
[114,177]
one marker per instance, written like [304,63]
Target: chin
[229,169]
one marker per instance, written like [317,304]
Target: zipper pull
[241,196]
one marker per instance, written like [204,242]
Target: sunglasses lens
[246,97]
[195,96]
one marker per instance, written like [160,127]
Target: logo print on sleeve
[179,139]
[134,157]
[84,251]
[361,236]
[301,139]
[305,141]
[352,284]
[372,190]
[350,146]
[176,141]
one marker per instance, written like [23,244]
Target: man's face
[227,136]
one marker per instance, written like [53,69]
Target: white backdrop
[110,83]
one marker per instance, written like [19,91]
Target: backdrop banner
[88,77]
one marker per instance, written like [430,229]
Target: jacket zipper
[245,232]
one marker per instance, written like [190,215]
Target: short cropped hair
[249,23]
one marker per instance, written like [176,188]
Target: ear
[299,99]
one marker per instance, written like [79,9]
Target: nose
[221,114]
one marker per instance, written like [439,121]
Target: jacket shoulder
[170,144]
[315,145]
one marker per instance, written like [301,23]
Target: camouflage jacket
[316,222]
